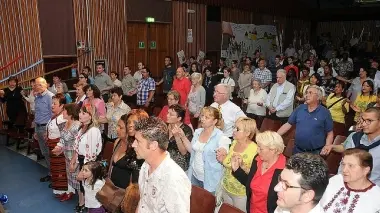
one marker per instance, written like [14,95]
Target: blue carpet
[20,180]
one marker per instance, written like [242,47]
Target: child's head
[93,171]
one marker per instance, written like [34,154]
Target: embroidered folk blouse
[339,198]
[89,144]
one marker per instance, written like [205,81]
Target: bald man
[43,114]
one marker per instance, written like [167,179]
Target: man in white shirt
[115,79]
[164,186]
[281,98]
[290,51]
[230,111]
[301,184]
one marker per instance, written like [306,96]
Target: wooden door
[137,32]
[156,46]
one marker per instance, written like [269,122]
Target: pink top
[100,106]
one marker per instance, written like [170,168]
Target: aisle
[19,179]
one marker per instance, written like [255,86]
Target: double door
[148,43]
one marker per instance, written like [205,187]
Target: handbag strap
[111,161]
[335,103]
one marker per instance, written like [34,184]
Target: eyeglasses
[286,186]
[219,93]
[366,121]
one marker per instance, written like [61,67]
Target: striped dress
[67,142]
[57,163]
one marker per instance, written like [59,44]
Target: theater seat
[227,208]
[201,201]
[288,151]
[107,152]
[269,124]
[334,158]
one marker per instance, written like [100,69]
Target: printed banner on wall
[240,40]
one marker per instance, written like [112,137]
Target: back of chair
[269,124]
[227,208]
[201,201]
[107,151]
[288,151]
[334,158]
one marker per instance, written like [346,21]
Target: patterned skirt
[71,177]
[57,167]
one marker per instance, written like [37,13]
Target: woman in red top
[182,85]
[264,172]
[173,98]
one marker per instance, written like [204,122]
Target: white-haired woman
[196,99]
[263,175]
[256,102]
[352,191]
[233,192]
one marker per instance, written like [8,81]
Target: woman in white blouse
[228,80]
[255,102]
[57,162]
[352,191]
[88,142]
[196,99]
[208,142]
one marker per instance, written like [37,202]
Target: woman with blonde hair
[208,142]
[233,192]
[196,99]
[264,172]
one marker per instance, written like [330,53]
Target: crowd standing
[208,134]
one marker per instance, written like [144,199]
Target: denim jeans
[196,182]
[41,131]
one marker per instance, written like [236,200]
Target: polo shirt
[311,127]
[43,104]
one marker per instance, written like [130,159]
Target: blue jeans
[196,182]
[41,131]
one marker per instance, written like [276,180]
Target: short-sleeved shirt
[168,75]
[362,103]
[336,110]
[230,183]
[264,75]
[165,190]
[144,87]
[311,127]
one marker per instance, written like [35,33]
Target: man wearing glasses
[314,125]
[301,184]
[368,139]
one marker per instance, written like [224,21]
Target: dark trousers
[274,117]
[259,119]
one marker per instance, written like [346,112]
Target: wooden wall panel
[57,41]
[103,25]
[20,35]
[236,16]
[183,21]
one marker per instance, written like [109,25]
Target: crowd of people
[208,135]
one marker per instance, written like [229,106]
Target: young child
[93,174]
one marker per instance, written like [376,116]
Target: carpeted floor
[19,179]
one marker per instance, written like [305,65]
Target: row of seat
[202,201]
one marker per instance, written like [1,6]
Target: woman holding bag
[124,167]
